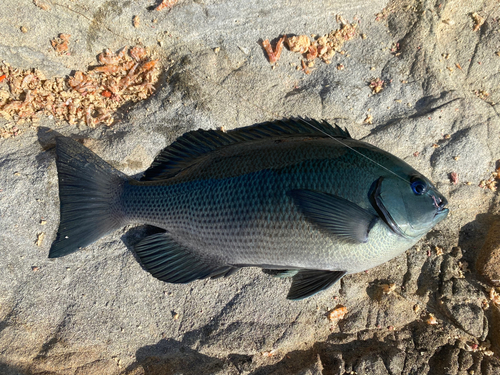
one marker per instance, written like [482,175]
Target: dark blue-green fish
[297,197]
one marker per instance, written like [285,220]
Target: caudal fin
[89,194]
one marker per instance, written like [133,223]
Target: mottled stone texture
[98,312]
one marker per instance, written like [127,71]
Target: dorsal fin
[189,147]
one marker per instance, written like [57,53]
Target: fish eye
[418,186]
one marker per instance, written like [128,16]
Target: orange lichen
[108,57]
[387,288]
[39,239]
[304,68]
[298,43]
[337,313]
[377,85]
[494,297]
[439,250]
[313,52]
[481,94]
[41,5]
[275,54]
[269,353]
[136,21]
[323,47]
[492,182]
[478,21]
[147,66]
[166,4]
[9,131]
[138,53]
[85,97]
[431,320]
[61,43]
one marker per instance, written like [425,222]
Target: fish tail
[90,197]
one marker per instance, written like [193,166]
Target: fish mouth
[440,204]
[378,205]
[441,211]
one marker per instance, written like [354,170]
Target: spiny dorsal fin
[189,147]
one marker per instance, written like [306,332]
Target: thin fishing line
[357,152]
[321,131]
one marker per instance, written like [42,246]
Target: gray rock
[372,364]
[27,58]
[98,312]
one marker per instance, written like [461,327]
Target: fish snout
[440,202]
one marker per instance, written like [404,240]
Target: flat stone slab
[98,312]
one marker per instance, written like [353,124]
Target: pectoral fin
[309,282]
[335,214]
[172,262]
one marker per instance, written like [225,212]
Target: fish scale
[295,195]
[242,202]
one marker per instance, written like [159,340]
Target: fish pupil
[419,187]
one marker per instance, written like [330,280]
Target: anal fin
[309,282]
[172,262]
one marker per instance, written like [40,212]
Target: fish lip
[441,211]
[378,205]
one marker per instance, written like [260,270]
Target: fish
[297,197]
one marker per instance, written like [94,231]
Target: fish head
[410,205]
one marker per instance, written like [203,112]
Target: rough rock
[488,259]
[98,312]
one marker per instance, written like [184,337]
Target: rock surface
[488,258]
[98,312]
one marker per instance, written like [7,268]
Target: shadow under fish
[298,198]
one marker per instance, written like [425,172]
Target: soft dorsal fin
[189,147]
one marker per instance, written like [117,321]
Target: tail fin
[89,194]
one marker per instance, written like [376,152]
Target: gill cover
[410,208]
